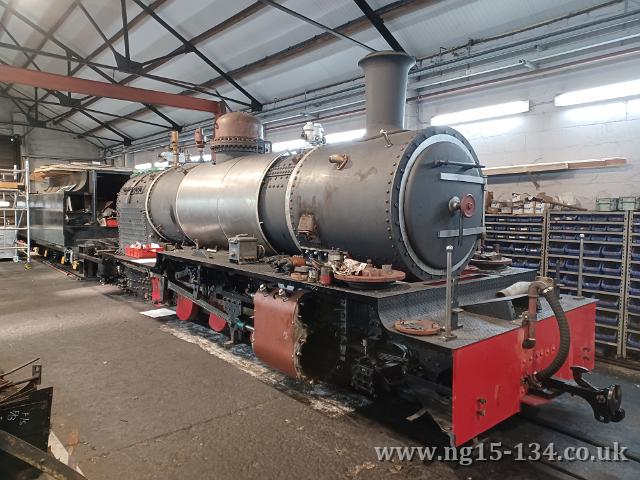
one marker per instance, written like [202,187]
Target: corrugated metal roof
[422,30]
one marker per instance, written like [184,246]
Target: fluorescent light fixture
[288,145]
[161,164]
[482,113]
[142,166]
[599,94]
[206,157]
[601,112]
[489,128]
[345,136]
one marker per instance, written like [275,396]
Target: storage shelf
[578,232]
[560,240]
[526,224]
[599,275]
[604,342]
[600,292]
[522,255]
[610,310]
[585,222]
[514,232]
[604,325]
[600,259]
[491,239]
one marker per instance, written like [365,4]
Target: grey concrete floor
[135,402]
[147,405]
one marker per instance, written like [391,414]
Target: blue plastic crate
[606,336]
[615,218]
[635,253]
[592,250]
[533,250]
[507,248]
[634,307]
[609,285]
[570,236]
[592,266]
[556,236]
[569,281]
[633,340]
[610,303]
[614,238]
[606,319]
[591,283]
[572,249]
[635,271]
[634,288]
[571,265]
[596,238]
[634,322]
[556,249]
[615,228]
[518,263]
[532,264]
[599,228]
[611,269]
[612,251]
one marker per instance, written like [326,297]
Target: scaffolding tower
[14,213]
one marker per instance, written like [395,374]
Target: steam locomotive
[349,263]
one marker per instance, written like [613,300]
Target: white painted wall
[545,134]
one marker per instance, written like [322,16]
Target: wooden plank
[10,185]
[554,166]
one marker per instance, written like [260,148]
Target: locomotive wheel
[217,323]
[186,310]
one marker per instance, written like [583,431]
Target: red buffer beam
[53,81]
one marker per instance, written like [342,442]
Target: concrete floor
[133,401]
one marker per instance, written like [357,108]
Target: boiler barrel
[398,199]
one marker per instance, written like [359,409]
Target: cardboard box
[529,207]
[541,208]
[506,208]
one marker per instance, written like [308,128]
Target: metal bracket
[465,232]
[456,177]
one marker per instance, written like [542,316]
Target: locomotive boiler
[398,205]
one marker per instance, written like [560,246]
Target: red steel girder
[53,81]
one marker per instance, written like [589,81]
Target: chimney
[385,76]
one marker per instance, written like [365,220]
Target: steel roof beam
[392,10]
[87,109]
[308,20]
[54,81]
[202,37]
[170,81]
[126,140]
[255,103]
[378,23]
[49,36]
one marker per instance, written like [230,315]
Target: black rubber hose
[565,336]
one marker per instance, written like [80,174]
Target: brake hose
[565,335]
